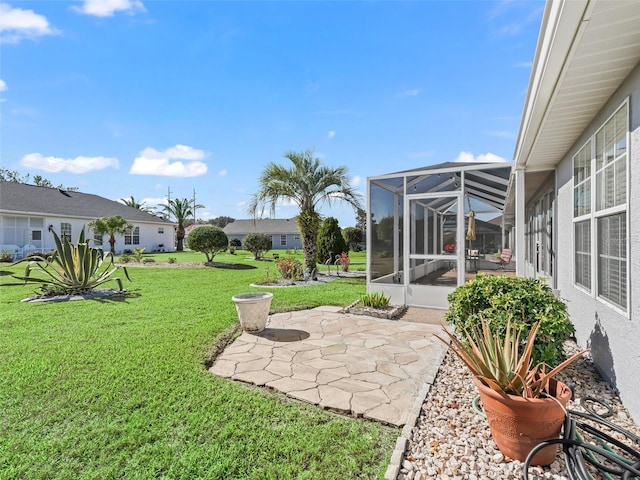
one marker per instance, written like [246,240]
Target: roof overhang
[585,50]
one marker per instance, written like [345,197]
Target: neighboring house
[28,213]
[575,193]
[283,232]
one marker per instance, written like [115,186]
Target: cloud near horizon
[410,92]
[468,157]
[331,134]
[169,163]
[76,165]
[17,24]
[108,8]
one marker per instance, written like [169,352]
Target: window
[582,261]
[296,237]
[160,230]
[600,211]
[132,236]
[97,240]
[283,239]
[36,235]
[65,231]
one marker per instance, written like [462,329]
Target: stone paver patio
[359,365]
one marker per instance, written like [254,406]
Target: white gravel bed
[451,441]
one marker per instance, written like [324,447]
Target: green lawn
[119,389]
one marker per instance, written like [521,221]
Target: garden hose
[579,453]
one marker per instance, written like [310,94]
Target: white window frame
[283,240]
[594,215]
[65,231]
[132,236]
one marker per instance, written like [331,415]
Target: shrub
[172,260]
[330,241]
[125,258]
[148,260]
[137,254]
[5,256]
[72,268]
[207,240]
[257,243]
[375,300]
[523,301]
[235,242]
[353,237]
[290,269]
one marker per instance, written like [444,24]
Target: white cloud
[222,173]
[3,85]
[71,165]
[17,24]
[409,93]
[356,181]
[169,162]
[468,157]
[331,134]
[107,8]
[154,202]
[242,204]
[528,64]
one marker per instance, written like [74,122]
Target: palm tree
[180,210]
[111,226]
[308,183]
[132,202]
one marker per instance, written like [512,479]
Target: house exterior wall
[16,230]
[292,241]
[613,337]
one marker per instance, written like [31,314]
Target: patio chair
[505,258]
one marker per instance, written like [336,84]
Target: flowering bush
[290,269]
[345,261]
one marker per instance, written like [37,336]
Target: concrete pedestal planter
[253,310]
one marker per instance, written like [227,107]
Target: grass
[118,388]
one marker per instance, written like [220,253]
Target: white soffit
[585,51]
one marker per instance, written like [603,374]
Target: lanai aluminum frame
[416,223]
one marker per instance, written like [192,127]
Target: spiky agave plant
[72,268]
[499,363]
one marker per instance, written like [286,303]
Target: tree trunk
[310,249]
[112,242]
[309,224]
[180,238]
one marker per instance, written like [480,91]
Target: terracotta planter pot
[253,310]
[519,424]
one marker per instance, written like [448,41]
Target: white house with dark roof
[574,197]
[283,232]
[28,213]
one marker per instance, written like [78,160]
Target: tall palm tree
[180,210]
[111,226]
[308,183]
[132,202]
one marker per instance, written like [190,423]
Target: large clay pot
[519,424]
[253,310]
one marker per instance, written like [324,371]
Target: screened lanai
[419,242]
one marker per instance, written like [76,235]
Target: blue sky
[128,98]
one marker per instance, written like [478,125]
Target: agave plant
[72,268]
[498,362]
